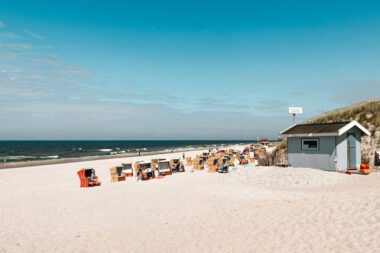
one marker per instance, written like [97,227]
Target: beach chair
[242,160]
[176,165]
[223,159]
[251,157]
[136,167]
[188,161]
[212,165]
[198,163]
[204,158]
[145,171]
[117,174]
[164,168]
[231,161]
[206,154]
[127,169]
[154,163]
[224,165]
[88,178]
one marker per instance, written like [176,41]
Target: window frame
[310,139]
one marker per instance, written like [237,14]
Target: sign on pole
[295,111]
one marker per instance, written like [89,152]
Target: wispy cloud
[57,99]
[10,35]
[2,25]
[34,71]
[34,35]
[15,46]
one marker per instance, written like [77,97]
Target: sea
[17,151]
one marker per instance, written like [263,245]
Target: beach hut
[326,146]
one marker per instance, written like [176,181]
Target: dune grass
[366,113]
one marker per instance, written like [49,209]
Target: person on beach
[92,175]
[223,168]
[183,155]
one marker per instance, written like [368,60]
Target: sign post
[295,111]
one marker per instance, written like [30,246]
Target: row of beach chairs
[219,161]
[142,170]
[146,170]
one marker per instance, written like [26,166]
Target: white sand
[258,209]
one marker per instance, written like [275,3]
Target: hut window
[310,144]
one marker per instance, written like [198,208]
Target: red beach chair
[85,178]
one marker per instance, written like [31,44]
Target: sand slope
[262,209]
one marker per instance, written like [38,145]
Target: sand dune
[252,209]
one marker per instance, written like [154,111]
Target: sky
[180,69]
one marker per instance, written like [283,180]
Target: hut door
[351,150]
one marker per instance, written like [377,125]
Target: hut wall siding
[318,159]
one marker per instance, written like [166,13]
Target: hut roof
[323,129]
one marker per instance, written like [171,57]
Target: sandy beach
[251,209]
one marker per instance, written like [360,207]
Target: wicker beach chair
[88,178]
[176,165]
[243,160]
[164,168]
[198,163]
[212,165]
[145,171]
[127,169]
[224,165]
[154,163]
[188,161]
[117,174]
[204,158]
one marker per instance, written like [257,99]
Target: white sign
[295,110]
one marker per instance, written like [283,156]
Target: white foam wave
[17,157]
[50,157]
[105,150]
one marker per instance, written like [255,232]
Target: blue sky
[180,70]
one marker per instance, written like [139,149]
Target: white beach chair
[164,168]
[127,169]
